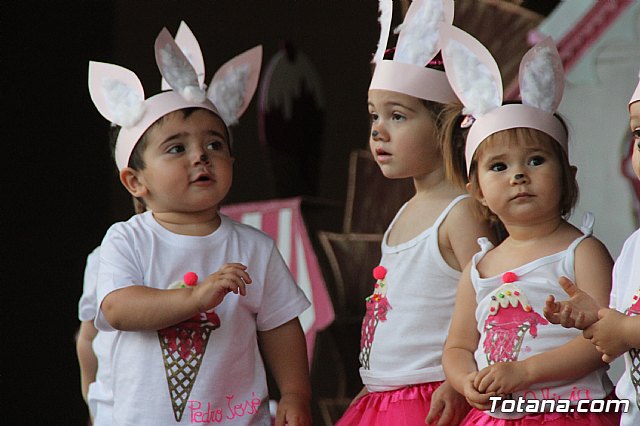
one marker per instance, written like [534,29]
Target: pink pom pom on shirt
[190,278]
[509,277]
[379,272]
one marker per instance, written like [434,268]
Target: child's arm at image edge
[285,352]
[86,357]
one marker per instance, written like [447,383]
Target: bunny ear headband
[636,95]
[475,77]
[118,94]
[418,43]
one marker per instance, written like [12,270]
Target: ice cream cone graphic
[510,318]
[183,347]
[634,353]
[377,307]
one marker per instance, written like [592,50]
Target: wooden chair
[351,258]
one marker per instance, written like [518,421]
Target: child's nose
[519,178]
[200,155]
[378,133]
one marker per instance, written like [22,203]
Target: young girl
[498,344]
[613,331]
[426,245]
[185,350]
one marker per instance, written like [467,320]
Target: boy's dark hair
[135,160]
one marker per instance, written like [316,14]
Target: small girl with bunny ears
[426,245]
[616,330]
[186,350]
[499,346]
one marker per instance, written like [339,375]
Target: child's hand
[502,378]
[579,311]
[293,410]
[448,407]
[232,277]
[606,334]
[474,398]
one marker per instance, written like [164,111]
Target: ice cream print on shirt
[377,307]
[510,318]
[183,346]
[634,353]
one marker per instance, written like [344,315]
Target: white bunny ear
[176,69]
[386,12]
[234,84]
[419,37]
[542,77]
[188,44]
[117,93]
[473,73]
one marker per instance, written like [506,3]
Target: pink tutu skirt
[407,406]
[477,417]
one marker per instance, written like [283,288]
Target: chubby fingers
[437,407]
[568,286]
[481,380]
[551,309]
[234,277]
[478,400]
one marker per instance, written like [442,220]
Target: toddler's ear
[476,193]
[132,182]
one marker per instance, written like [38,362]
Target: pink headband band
[119,96]
[636,95]
[475,78]
[418,43]
[421,82]
[512,116]
[156,107]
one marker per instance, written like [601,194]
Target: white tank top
[409,313]
[511,325]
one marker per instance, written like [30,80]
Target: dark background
[62,193]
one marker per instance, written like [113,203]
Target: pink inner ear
[556,65]
[252,58]
[99,72]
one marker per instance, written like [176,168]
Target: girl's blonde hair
[451,140]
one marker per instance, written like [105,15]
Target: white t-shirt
[100,396]
[409,313]
[625,298]
[512,328]
[225,369]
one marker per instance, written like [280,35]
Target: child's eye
[498,167]
[215,146]
[398,117]
[373,116]
[636,134]
[536,161]
[175,149]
